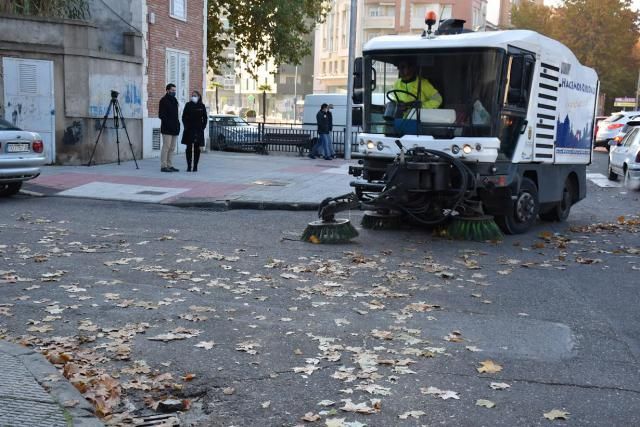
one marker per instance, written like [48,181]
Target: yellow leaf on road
[489,367]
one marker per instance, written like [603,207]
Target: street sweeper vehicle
[485,129]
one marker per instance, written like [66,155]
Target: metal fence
[269,137]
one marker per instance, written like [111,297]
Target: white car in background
[624,157]
[609,127]
[21,155]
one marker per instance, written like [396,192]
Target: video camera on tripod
[117,118]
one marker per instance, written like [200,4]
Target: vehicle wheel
[561,210]
[524,210]
[10,189]
[612,175]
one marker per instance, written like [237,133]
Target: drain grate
[164,420]
[151,193]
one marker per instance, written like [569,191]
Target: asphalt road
[291,324]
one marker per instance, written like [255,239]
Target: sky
[493,7]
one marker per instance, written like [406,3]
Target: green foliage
[261,30]
[601,33]
[67,9]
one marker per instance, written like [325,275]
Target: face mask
[172,93]
[194,99]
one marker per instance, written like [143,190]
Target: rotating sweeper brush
[329,229]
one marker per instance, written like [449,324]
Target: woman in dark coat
[194,119]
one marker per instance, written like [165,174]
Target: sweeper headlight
[371,145]
[467,149]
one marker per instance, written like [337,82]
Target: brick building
[175,52]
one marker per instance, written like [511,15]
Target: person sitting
[409,81]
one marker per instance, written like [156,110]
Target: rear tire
[10,189]
[524,211]
[560,212]
[612,175]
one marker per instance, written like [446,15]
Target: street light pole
[352,56]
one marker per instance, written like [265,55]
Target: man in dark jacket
[169,128]
[325,126]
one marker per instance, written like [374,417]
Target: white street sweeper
[483,125]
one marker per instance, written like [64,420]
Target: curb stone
[53,383]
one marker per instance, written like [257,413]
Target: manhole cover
[151,193]
[270,183]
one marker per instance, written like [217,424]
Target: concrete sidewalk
[33,393]
[223,179]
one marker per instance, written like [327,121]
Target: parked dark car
[21,155]
[228,131]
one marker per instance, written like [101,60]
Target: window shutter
[183,78]
[172,68]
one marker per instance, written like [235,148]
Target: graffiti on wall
[72,134]
[130,95]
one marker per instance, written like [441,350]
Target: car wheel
[560,212]
[10,189]
[612,175]
[524,210]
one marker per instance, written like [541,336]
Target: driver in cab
[409,81]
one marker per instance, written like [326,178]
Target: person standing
[169,127]
[324,121]
[194,119]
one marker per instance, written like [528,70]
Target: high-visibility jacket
[429,96]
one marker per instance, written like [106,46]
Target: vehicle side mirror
[358,88]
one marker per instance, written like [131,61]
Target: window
[177,72]
[342,65]
[178,9]
[374,11]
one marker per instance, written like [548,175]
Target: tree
[601,33]
[531,16]
[262,30]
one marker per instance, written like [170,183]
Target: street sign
[624,102]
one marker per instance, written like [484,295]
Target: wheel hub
[525,207]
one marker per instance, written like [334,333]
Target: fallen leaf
[207,345]
[489,367]
[485,403]
[499,386]
[266,404]
[228,391]
[557,414]
[310,417]
[412,414]
[188,377]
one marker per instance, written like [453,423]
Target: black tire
[524,211]
[560,212]
[10,189]
[612,176]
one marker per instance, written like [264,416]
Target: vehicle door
[621,152]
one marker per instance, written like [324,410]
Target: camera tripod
[117,118]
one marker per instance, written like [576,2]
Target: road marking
[111,191]
[602,181]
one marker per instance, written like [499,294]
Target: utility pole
[352,56]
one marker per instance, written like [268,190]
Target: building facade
[175,52]
[378,18]
[57,75]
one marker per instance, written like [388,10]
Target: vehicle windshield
[5,125]
[458,93]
